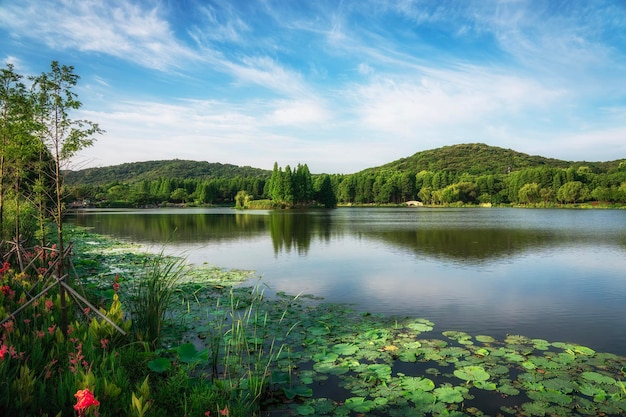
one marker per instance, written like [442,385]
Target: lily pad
[448,394]
[485,339]
[160,365]
[598,378]
[472,373]
[360,404]
[345,349]
[417,383]
[188,353]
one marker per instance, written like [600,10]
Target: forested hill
[153,170]
[480,159]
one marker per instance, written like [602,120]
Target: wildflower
[8,326]
[5,290]
[5,268]
[207,414]
[224,412]
[3,351]
[49,305]
[52,328]
[84,400]
[14,354]
[116,285]
[104,343]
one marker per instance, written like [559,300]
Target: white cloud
[118,28]
[297,112]
[265,72]
[441,98]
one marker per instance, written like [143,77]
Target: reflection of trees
[295,230]
[467,244]
[168,227]
[290,231]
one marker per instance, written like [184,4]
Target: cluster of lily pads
[334,361]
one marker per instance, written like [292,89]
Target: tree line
[298,187]
[536,186]
[38,138]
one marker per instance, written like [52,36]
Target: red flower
[6,290]
[224,412]
[84,400]
[3,351]
[5,268]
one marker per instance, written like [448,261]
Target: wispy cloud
[128,31]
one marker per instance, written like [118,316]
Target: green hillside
[153,170]
[480,159]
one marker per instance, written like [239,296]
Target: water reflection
[460,239]
[551,274]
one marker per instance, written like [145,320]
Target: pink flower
[224,412]
[207,414]
[52,328]
[49,305]
[8,326]
[104,343]
[3,351]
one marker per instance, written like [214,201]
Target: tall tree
[63,137]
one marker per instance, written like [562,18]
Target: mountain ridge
[471,158]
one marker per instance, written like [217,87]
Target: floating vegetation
[336,362]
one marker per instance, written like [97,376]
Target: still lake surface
[557,274]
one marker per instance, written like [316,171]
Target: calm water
[558,275]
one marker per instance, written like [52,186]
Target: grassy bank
[222,347]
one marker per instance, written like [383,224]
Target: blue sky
[338,85]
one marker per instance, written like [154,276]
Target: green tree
[18,147]
[179,195]
[572,192]
[529,193]
[425,195]
[324,191]
[242,199]
[63,137]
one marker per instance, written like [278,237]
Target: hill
[480,159]
[471,158]
[153,170]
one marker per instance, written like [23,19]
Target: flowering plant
[84,400]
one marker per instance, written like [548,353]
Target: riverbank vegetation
[467,174]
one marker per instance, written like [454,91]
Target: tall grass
[151,295]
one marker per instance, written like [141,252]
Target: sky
[338,85]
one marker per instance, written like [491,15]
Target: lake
[557,274]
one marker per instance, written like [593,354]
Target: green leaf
[421,399]
[472,373]
[485,339]
[305,410]
[325,357]
[359,404]
[297,391]
[345,349]
[187,353]
[598,377]
[417,383]
[160,365]
[448,395]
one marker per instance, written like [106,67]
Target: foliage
[459,174]
[151,295]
